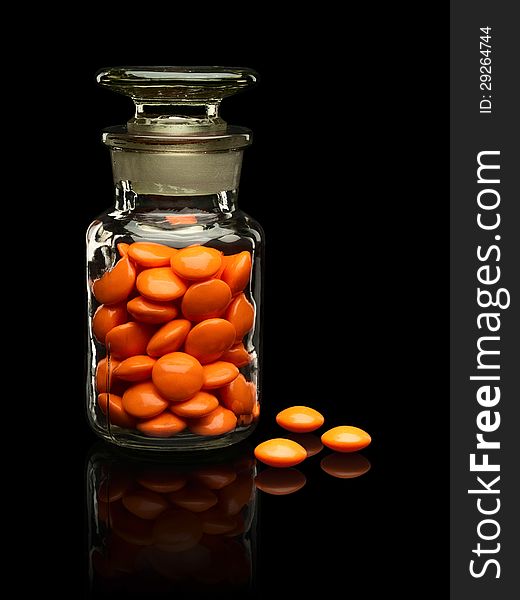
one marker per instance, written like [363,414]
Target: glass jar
[158,529]
[174,269]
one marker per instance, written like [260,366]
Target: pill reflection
[280,482]
[310,441]
[163,528]
[345,466]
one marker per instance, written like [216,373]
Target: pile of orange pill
[173,322]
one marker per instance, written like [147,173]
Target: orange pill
[218,422]
[162,481]
[280,452]
[150,311]
[309,441]
[104,381]
[135,368]
[181,219]
[215,477]
[242,314]
[300,419]
[206,300]
[169,338]
[177,530]
[217,374]
[143,400]
[178,376]
[199,405]
[161,284]
[237,355]
[128,340]
[345,466]
[346,439]
[116,284]
[122,248]
[239,396]
[208,340]
[237,271]
[164,425]
[280,482]
[111,406]
[106,318]
[194,498]
[196,262]
[149,254]
[145,504]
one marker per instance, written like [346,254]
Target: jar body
[174,295]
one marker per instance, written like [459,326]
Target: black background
[348,176]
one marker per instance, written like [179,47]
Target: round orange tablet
[300,419]
[345,466]
[196,262]
[218,422]
[178,376]
[237,271]
[142,400]
[194,498]
[122,248]
[161,284]
[169,338]
[206,300]
[242,314]
[145,504]
[280,452]
[128,340]
[135,368]
[215,477]
[237,355]
[150,311]
[149,254]
[346,439]
[106,318]
[164,425]
[239,396]
[217,374]
[105,383]
[111,405]
[199,405]
[280,482]
[208,340]
[116,284]
[309,441]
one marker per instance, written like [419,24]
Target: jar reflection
[170,527]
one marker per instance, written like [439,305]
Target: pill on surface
[151,311]
[177,530]
[161,284]
[241,314]
[149,254]
[280,482]
[215,477]
[161,481]
[193,497]
[178,376]
[345,466]
[105,383]
[143,400]
[237,271]
[116,284]
[237,355]
[199,405]
[111,405]
[280,452]
[145,504]
[107,317]
[196,262]
[164,425]
[135,368]
[206,300]
[218,373]
[169,338]
[217,422]
[300,419]
[208,340]
[128,339]
[239,396]
[346,438]
[309,441]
